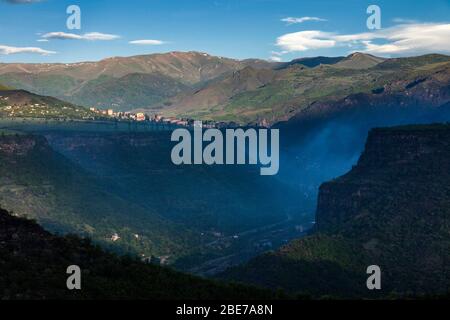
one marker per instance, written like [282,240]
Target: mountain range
[201,86]
[271,96]
[122,83]
[119,188]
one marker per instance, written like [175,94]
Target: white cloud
[100,36]
[92,36]
[275,58]
[306,40]
[42,40]
[7,50]
[62,36]
[294,20]
[412,38]
[403,39]
[278,53]
[403,20]
[148,42]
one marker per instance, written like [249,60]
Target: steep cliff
[404,173]
[392,210]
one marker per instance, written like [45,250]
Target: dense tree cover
[42,184]
[391,210]
[33,265]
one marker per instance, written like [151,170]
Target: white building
[140,116]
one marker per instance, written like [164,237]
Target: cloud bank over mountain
[402,39]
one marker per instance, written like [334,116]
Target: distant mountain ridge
[80,82]
[189,67]
[359,60]
[311,62]
[198,85]
[296,89]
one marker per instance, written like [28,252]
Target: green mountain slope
[391,210]
[359,60]
[218,91]
[122,82]
[134,90]
[298,88]
[33,265]
[2,87]
[311,62]
[197,85]
[23,104]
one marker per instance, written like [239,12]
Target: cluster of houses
[162,260]
[31,109]
[43,110]
[172,120]
[141,116]
[190,122]
[138,116]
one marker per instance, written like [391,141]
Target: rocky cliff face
[402,169]
[392,210]
[396,204]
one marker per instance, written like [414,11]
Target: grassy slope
[208,88]
[2,87]
[131,91]
[119,80]
[23,104]
[297,87]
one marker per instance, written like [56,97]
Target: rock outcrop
[392,210]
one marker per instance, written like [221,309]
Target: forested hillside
[390,210]
[33,265]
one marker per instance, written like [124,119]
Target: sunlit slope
[297,87]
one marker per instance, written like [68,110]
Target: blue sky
[267,29]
